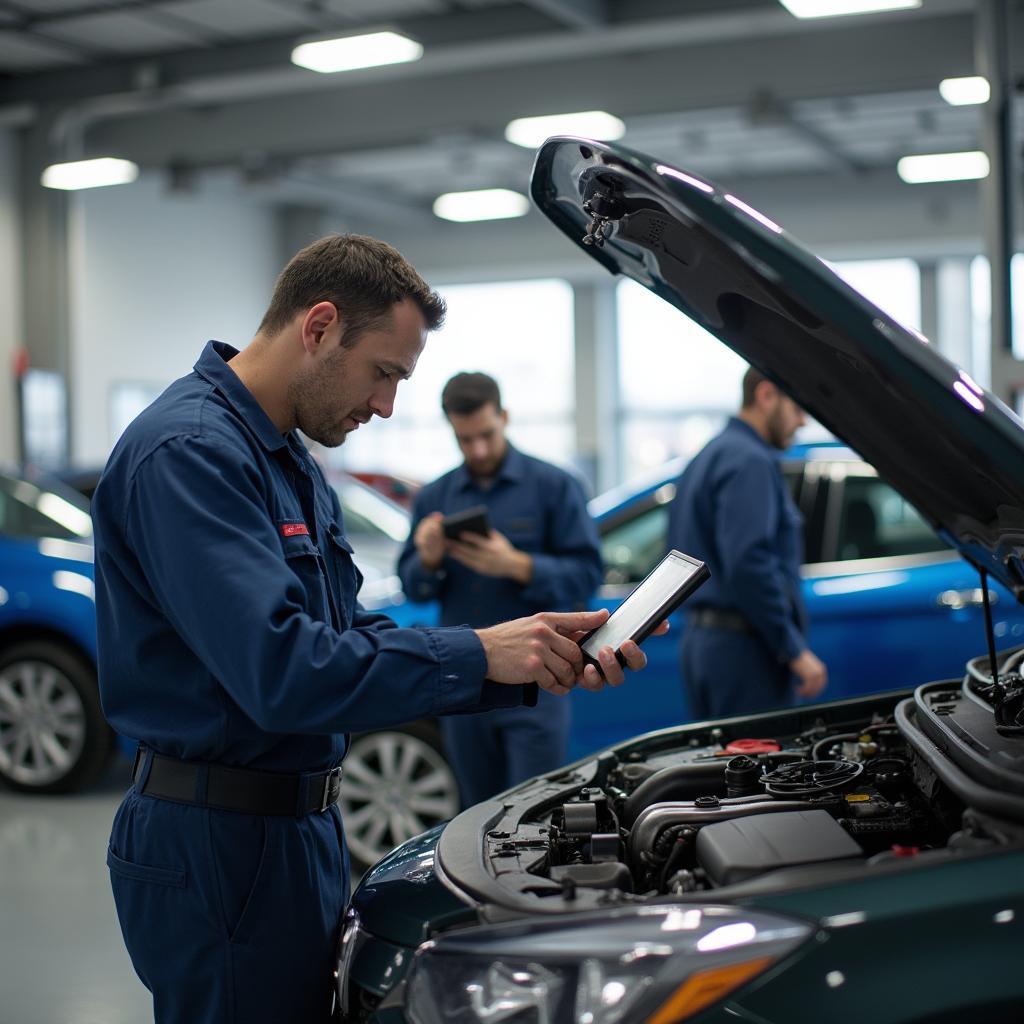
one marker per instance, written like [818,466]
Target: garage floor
[61,956]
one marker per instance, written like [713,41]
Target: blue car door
[632,542]
[890,604]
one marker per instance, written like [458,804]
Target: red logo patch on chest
[294,530]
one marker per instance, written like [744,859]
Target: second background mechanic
[542,552]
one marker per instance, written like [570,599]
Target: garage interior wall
[153,277]
[10,293]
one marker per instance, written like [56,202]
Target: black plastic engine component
[680,782]
[742,774]
[605,875]
[731,851]
[811,778]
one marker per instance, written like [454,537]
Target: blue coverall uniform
[230,633]
[542,511]
[733,510]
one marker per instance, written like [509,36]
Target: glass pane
[519,332]
[981,315]
[877,522]
[892,285]
[631,549]
[669,363]
[30,512]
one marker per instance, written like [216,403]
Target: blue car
[53,736]
[52,733]
[887,599]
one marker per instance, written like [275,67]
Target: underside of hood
[950,447]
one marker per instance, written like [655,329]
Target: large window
[678,383]
[893,285]
[521,333]
[981,315]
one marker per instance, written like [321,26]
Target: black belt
[718,618]
[234,789]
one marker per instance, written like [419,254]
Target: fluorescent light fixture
[591,124]
[917,170]
[104,170]
[481,204]
[835,8]
[349,53]
[963,92]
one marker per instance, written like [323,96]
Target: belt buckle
[332,788]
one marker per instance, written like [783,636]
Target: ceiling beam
[382,114]
[574,13]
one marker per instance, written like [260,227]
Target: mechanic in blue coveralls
[233,648]
[542,552]
[744,647]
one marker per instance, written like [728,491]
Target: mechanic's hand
[492,555]
[541,648]
[613,672]
[430,541]
[811,672]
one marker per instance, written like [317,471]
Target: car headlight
[658,964]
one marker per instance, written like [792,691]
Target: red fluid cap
[905,851]
[752,747]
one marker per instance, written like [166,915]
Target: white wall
[10,292]
[153,276]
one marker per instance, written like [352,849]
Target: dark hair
[467,392]
[750,381]
[362,276]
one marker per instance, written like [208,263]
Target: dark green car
[857,860]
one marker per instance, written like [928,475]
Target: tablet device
[470,520]
[659,594]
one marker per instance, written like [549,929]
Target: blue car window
[631,548]
[877,522]
[28,512]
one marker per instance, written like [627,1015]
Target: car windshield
[32,510]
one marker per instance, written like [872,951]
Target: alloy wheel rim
[394,787]
[42,723]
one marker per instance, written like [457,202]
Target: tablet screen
[667,578]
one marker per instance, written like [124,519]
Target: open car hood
[952,449]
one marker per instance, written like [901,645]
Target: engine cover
[731,851]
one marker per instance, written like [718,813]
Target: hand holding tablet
[659,594]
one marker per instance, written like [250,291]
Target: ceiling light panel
[837,8]
[350,53]
[931,167]
[591,124]
[96,173]
[481,204]
[964,92]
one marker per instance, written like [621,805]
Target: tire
[53,736]
[396,784]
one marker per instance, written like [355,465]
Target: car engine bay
[811,794]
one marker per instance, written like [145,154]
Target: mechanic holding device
[537,548]
[233,648]
[744,645]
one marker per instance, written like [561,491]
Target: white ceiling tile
[22,53]
[248,20]
[381,10]
[124,32]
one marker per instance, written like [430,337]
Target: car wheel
[53,737]
[396,784]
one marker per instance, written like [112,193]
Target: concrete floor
[62,960]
